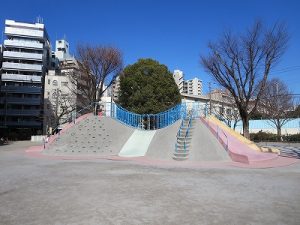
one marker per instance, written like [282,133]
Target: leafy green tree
[148,87]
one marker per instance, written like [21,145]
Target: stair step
[184,137]
[180,158]
[290,153]
[180,141]
[181,151]
[182,144]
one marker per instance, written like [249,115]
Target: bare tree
[62,106]
[98,66]
[276,104]
[242,63]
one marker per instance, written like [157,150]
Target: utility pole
[209,89]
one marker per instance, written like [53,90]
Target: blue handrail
[148,121]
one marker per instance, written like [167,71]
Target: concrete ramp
[205,146]
[138,143]
[163,143]
[91,136]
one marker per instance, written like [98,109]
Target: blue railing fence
[148,121]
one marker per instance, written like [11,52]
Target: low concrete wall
[38,138]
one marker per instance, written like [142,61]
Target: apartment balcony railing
[19,112]
[21,77]
[23,44]
[21,66]
[21,89]
[16,31]
[21,124]
[20,101]
[22,55]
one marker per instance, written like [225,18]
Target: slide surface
[138,143]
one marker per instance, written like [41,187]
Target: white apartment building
[26,59]
[192,87]
[178,77]
[62,50]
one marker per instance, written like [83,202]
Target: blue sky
[175,33]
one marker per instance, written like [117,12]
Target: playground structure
[183,133]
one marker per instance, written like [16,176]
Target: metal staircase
[184,137]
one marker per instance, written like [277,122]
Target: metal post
[209,87]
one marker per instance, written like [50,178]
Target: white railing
[22,55]
[14,31]
[24,44]
[22,66]
[21,77]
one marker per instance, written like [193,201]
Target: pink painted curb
[36,152]
[237,150]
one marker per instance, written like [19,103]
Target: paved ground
[42,191]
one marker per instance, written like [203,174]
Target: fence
[148,121]
[291,127]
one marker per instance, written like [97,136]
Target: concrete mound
[91,136]
[204,145]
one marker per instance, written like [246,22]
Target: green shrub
[263,136]
[292,138]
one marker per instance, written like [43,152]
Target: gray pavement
[40,192]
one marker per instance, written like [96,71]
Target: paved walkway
[37,191]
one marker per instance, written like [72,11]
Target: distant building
[178,77]
[60,96]
[62,50]
[192,87]
[26,59]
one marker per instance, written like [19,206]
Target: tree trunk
[278,133]
[246,128]
[235,124]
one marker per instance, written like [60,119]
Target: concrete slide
[91,136]
[138,143]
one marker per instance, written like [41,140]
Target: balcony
[20,112]
[21,32]
[23,44]
[21,124]
[21,101]
[21,66]
[21,89]
[22,55]
[21,77]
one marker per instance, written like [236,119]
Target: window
[64,83]
[49,81]
[48,93]
[54,83]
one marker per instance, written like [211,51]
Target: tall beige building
[192,87]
